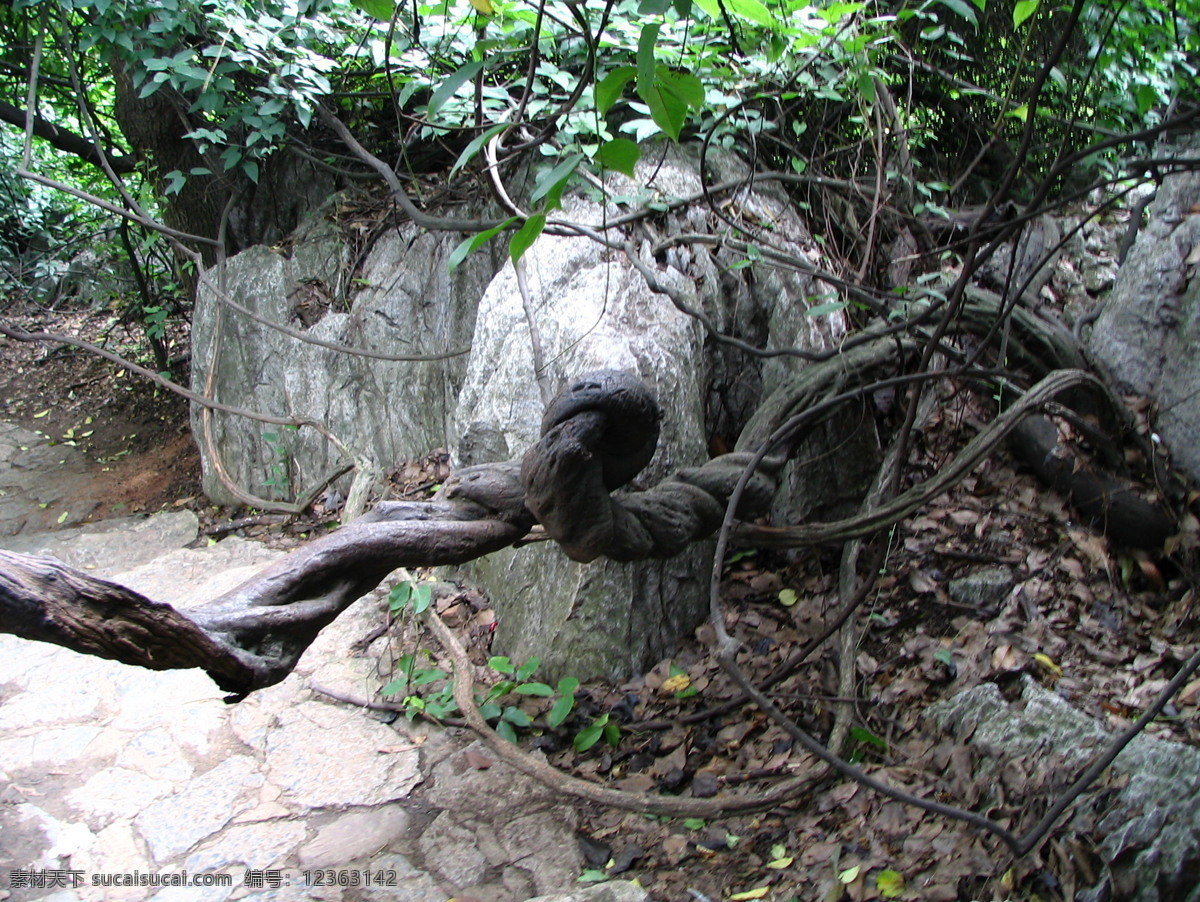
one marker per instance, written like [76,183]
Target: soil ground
[136,434]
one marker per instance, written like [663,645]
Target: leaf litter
[1103,630]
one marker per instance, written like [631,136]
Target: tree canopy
[909,108]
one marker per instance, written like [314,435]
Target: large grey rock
[594,310]
[403,301]
[174,825]
[321,755]
[1150,327]
[354,836]
[497,819]
[1144,824]
[110,546]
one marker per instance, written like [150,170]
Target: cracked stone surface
[109,770]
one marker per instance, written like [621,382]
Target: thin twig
[542,771]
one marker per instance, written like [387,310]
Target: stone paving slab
[35,478]
[111,770]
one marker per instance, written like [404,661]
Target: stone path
[110,774]
[35,479]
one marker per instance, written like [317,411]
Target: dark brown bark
[251,636]
[156,127]
[66,141]
[1109,504]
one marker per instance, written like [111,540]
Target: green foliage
[501,706]
[790,81]
[865,742]
[409,596]
[278,463]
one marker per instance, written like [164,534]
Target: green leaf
[890,884]
[473,243]
[452,83]
[568,686]
[835,12]
[422,595]
[961,8]
[653,7]
[849,875]
[1021,112]
[526,670]
[502,688]
[539,689]
[560,711]
[1147,97]
[668,95]
[694,823]
[619,154]
[401,592]
[612,86]
[430,675]
[592,875]
[551,183]
[866,87]
[394,687]
[612,733]
[751,11]
[505,731]
[489,711]
[647,67]
[474,147]
[516,717]
[524,237]
[379,9]
[865,736]
[590,735]
[1022,10]
[501,664]
[787,597]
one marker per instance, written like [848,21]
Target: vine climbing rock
[597,435]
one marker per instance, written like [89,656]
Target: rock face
[1147,335]
[405,302]
[1141,818]
[592,309]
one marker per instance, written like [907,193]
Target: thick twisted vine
[598,434]
[601,431]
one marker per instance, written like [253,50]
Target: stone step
[111,770]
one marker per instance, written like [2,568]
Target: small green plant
[508,718]
[865,741]
[279,463]
[409,595]
[499,706]
[603,727]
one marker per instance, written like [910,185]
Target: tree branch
[63,140]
